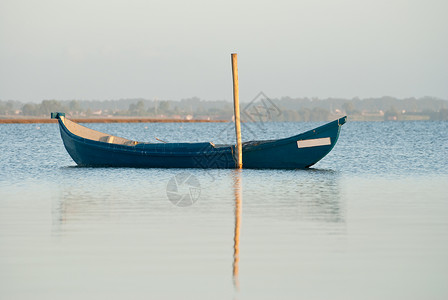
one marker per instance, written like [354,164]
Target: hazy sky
[111,49]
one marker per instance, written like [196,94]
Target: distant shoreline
[105,120]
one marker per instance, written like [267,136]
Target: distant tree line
[283,109]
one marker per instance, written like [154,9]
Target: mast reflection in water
[238,210]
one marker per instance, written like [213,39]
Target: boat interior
[94,135]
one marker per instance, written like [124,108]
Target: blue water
[369,221]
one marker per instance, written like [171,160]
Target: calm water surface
[370,221]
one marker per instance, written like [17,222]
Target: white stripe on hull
[314,142]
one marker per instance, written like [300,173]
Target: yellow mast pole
[236,106]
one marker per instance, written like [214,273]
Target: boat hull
[296,152]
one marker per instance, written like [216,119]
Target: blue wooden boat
[89,147]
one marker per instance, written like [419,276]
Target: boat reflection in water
[131,226]
[312,196]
